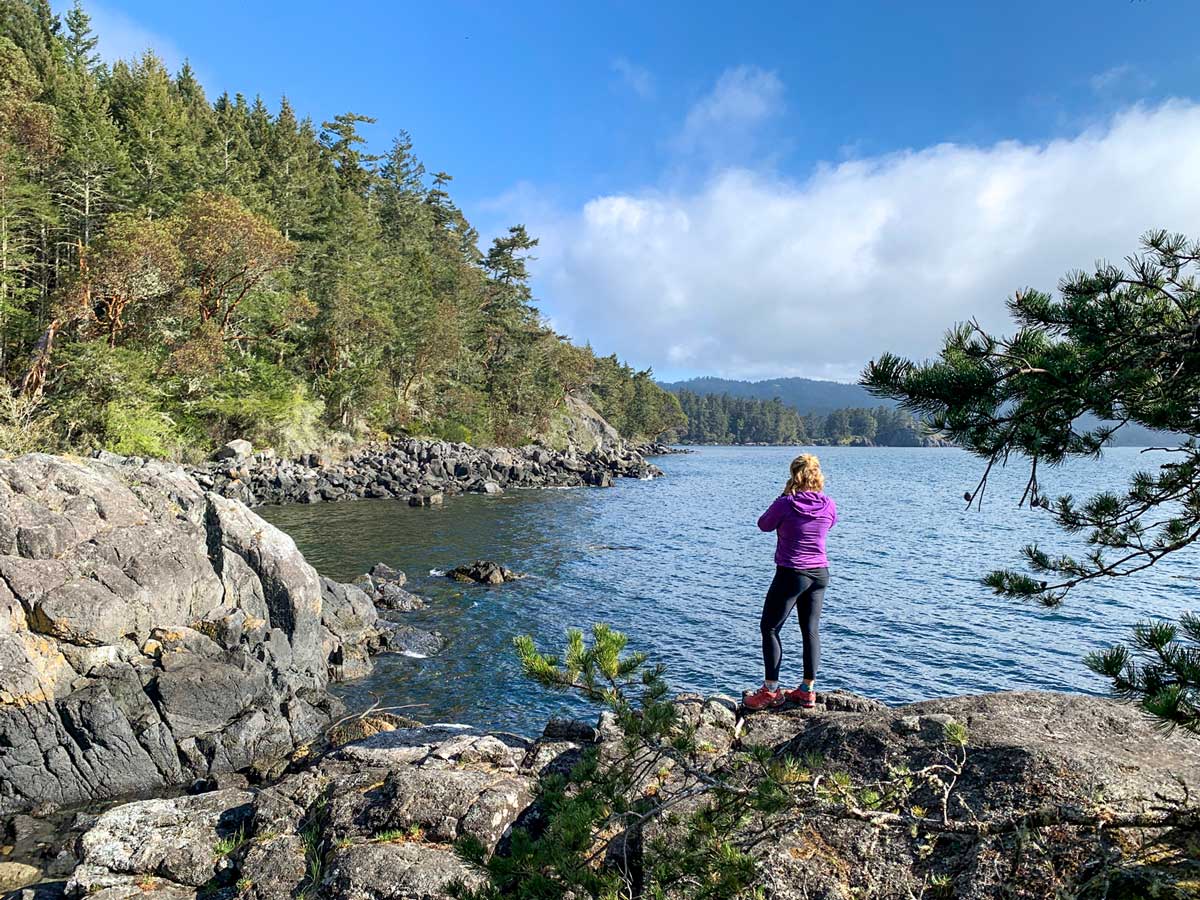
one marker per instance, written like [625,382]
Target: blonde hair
[806,475]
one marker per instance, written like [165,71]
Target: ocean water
[679,565]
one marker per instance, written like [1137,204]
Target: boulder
[394,597]
[384,586]
[397,871]
[151,633]
[352,629]
[483,572]
[290,586]
[15,875]
[185,840]
[383,572]
[400,637]
[236,450]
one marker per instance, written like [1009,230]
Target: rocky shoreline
[421,471]
[161,641]
[379,817]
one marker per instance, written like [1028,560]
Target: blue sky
[759,190]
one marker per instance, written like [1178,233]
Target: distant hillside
[809,396]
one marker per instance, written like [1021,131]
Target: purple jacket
[800,522]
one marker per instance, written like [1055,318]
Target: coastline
[190,658]
[933,444]
[392,802]
[422,471]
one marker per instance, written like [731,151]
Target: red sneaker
[806,698]
[763,699]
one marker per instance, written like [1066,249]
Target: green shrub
[454,432]
[25,425]
[116,398]
[263,403]
[138,430]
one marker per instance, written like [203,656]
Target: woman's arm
[770,520]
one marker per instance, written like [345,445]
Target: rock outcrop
[483,571]
[377,819]
[587,430]
[383,587]
[421,471]
[152,633]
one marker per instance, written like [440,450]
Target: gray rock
[275,866]
[175,839]
[237,449]
[152,634]
[400,637]
[397,871]
[394,597]
[573,730]
[447,803]
[553,757]
[291,587]
[483,572]
[388,807]
[388,749]
[1026,751]
[383,572]
[349,617]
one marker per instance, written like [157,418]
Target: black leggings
[803,589]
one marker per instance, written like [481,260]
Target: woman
[800,518]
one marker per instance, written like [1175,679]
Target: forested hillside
[722,419]
[810,397]
[176,271]
[805,395]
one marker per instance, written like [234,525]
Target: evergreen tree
[1122,345]
[28,147]
[154,126]
[91,170]
[344,144]
[174,272]
[81,42]
[291,174]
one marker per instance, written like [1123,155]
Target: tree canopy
[726,419]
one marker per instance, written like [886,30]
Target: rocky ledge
[377,819]
[153,633]
[418,470]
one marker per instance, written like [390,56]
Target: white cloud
[1121,77]
[637,78]
[121,37]
[742,99]
[752,274]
